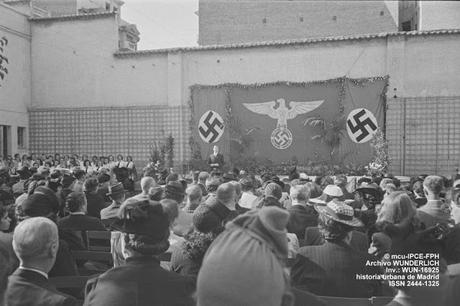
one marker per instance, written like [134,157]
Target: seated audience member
[301,214]
[67,182]
[202,178]
[419,194]
[175,191]
[271,197]
[194,198]
[171,208]
[367,197]
[245,264]
[80,176]
[141,281]
[104,184]
[212,183]
[455,202]
[36,244]
[330,269]
[54,180]
[24,175]
[78,220]
[248,198]
[147,183]
[20,199]
[95,203]
[212,215]
[435,210]
[43,203]
[341,182]
[316,189]
[187,257]
[5,266]
[110,213]
[156,193]
[398,219]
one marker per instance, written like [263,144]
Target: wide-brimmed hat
[331,191]
[143,218]
[340,212]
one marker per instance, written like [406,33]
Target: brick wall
[424,135]
[222,22]
[110,130]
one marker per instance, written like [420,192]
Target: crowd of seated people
[233,238]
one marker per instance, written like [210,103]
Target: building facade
[236,21]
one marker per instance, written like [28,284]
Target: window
[21,137]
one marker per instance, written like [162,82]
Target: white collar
[34,270]
[77,213]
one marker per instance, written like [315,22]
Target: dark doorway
[4,140]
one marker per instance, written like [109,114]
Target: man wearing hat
[117,194]
[217,210]
[330,269]
[141,281]
[367,196]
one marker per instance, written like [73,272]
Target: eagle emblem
[281,137]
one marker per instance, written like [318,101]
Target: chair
[70,282]
[94,256]
[344,301]
[72,285]
[98,241]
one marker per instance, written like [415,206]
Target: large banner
[307,122]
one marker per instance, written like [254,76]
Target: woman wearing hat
[141,281]
[330,269]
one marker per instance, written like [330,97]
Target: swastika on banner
[211,127]
[281,138]
[361,125]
